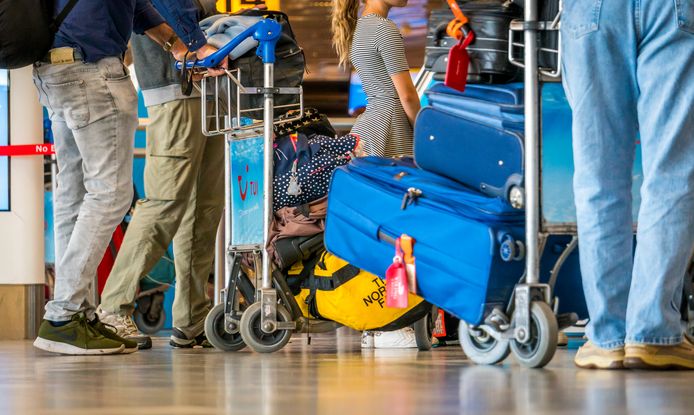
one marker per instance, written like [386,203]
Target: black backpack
[27,29]
[289,66]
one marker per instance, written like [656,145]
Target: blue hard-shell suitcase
[465,241]
[475,141]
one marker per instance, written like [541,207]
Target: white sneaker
[367,339]
[125,327]
[398,339]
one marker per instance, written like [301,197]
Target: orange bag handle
[459,15]
[458,27]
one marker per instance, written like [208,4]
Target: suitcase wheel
[511,249]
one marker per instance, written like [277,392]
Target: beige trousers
[184,199]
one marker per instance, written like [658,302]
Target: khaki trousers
[184,199]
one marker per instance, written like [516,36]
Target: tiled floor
[331,376]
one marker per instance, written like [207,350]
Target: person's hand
[179,50]
[205,51]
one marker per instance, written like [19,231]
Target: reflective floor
[331,376]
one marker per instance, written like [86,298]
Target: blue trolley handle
[267,32]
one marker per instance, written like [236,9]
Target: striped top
[377,52]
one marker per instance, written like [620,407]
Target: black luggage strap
[337,278]
[187,76]
[314,283]
[344,274]
[55,24]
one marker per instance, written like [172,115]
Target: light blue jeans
[628,71]
[93,109]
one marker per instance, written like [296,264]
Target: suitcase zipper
[483,215]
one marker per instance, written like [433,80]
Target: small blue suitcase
[465,242]
[499,106]
[486,158]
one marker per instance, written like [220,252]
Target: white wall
[21,229]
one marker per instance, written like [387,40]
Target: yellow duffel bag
[332,289]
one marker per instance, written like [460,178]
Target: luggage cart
[529,325]
[258,308]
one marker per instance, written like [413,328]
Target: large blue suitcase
[465,241]
[474,137]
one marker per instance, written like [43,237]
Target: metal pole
[268,135]
[219,261]
[532,144]
[228,208]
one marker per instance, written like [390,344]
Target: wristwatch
[169,43]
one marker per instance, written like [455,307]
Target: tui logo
[246,186]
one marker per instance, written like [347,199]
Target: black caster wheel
[481,347]
[540,349]
[256,338]
[424,330]
[149,315]
[217,334]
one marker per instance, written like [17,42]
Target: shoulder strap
[55,25]
[345,274]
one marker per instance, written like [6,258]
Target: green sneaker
[110,333]
[77,337]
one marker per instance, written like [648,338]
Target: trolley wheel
[149,324]
[216,333]
[149,314]
[485,350]
[256,338]
[540,349]
[424,330]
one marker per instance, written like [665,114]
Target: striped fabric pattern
[378,51]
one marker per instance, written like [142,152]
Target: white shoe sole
[129,351]
[64,348]
[388,346]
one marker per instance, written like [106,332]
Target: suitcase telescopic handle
[267,32]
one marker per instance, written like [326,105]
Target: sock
[58,323]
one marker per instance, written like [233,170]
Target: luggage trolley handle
[266,32]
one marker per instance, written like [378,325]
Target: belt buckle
[62,55]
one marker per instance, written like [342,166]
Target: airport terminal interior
[304,207]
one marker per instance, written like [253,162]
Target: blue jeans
[628,71]
[93,109]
